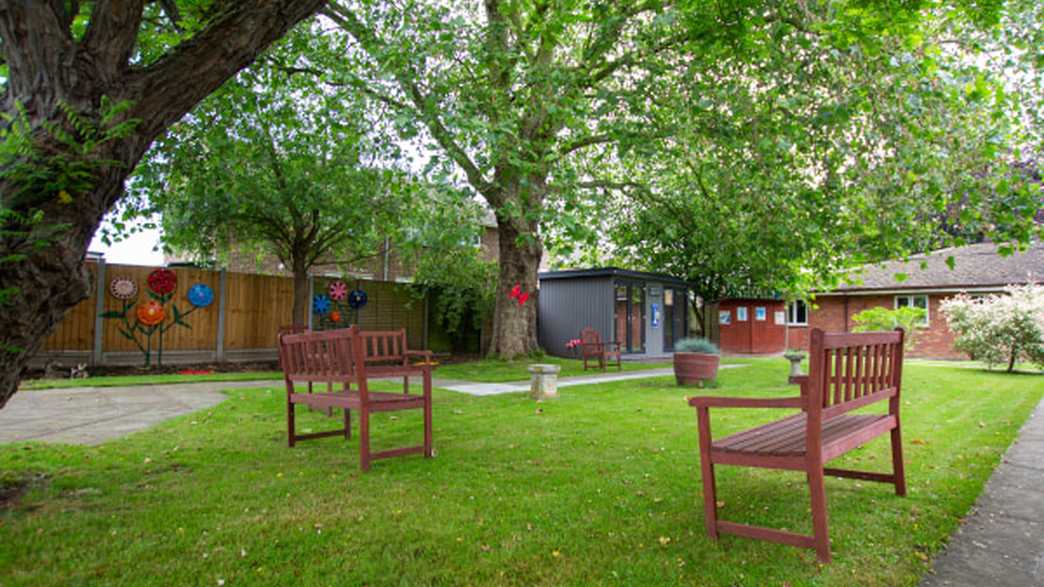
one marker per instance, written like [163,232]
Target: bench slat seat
[787,437]
[847,372]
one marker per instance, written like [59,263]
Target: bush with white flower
[998,329]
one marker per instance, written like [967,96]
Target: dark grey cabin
[645,312]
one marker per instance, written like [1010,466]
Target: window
[475,240]
[914,301]
[741,314]
[797,313]
[760,313]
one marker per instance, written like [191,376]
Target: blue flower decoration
[357,299]
[321,304]
[200,295]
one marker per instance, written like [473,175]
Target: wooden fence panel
[202,331]
[389,306]
[256,306]
[76,330]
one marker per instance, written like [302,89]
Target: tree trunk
[1011,359]
[49,73]
[514,325]
[301,301]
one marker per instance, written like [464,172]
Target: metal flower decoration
[357,299]
[151,313]
[123,288]
[335,316]
[338,290]
[162,281]
[200,295]
[321,304]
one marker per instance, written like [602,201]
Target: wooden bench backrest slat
[388,346]
[848,371]
[327,354]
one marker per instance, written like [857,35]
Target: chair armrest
[612,344]
[746,402]
[419,354]
[801,380]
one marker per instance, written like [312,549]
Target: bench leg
[819,514]
[710,493]
[347,424]
[427,415]
[406,385]
[364,438]
[897,462]
[290,423]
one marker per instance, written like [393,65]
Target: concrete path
[92,415]
[1002,542]
[472,388]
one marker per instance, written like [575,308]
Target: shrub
[696,345]
[908,318]
[999,328]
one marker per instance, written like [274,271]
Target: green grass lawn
[147,379]
[498,371]
[600,486]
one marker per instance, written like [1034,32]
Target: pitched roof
[975,266]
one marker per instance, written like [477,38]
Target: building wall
[565,306]
[751,335]
[834,314]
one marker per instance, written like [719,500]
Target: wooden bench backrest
[590,336]
[851,370]
[322,356]
[384,346]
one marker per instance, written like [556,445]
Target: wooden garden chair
[846,372]
[352,357]
[592,347]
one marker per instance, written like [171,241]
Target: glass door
[629,316]
[674,310]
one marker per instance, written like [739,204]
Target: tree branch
[112,32]
[169,88]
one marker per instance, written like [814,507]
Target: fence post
[311,295]
[219,347]
[99,308]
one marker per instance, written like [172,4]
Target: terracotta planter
[693,368]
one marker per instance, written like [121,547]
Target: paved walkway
[92,415]
[1002,542]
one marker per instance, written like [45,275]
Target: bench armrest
[426,355]
[746,402]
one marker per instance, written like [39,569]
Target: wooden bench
[352,357]
[592,347]
[846,372]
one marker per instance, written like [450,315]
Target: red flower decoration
[523,297]
[516,291]
[335,316]
[162,281]
[150,313]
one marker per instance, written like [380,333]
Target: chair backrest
[590,336]
[384,346]
[851,370]
[329,355]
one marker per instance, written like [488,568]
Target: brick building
[978,269]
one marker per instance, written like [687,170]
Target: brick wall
[834,314]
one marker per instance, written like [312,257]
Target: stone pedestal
[795,359]
[543,381]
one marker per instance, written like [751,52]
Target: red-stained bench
[846,372]
[351,357]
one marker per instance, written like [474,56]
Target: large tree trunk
[49,72]
[301,301]
[514,325]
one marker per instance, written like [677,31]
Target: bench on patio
[846,372]
[349,356]
[592,347]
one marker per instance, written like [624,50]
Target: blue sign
[655,315]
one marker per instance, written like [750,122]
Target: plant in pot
[695,361]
